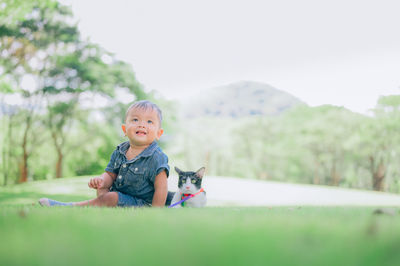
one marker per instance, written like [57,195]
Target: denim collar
[123,147]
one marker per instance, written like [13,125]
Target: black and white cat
[190,183]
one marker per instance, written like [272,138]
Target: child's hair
[144,104]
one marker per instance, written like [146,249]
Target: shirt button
[136,169]
[119,177]
[124,165]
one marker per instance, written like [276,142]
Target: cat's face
[190,182]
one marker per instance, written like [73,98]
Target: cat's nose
[187,187]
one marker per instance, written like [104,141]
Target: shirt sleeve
[161,165]
[112,164]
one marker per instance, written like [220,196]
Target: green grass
[68,189]
[34,235]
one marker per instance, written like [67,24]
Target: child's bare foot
[50,202]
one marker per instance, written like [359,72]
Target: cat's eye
[193,181]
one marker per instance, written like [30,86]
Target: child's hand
[96,183]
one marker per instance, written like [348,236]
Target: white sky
[341,52]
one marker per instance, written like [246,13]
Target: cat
[190,183]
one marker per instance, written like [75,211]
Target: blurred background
[290,91]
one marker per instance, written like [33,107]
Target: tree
[324,132]
[28,43]
[379,139]
[70,76]
[37,42]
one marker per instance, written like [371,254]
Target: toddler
[138,169]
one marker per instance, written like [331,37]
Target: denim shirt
[136,177]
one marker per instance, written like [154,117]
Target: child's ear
[200,172]
[179,171]
[124,129]
[159,133]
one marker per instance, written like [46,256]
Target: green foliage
[5,87]
[319,145]
[37,40]
[392,101]
[12,11]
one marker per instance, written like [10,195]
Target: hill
[244,98]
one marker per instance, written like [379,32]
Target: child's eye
[193,181]
[150,122]
[135,120]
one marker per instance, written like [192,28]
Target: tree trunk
[60,155]
[378,174]
[317,177]
[59,165]
[335,176]
[7,152]
[23,167]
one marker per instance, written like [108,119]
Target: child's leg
[102,191]
[50,202]
[108,199]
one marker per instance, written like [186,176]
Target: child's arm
[161,190]
[103,181]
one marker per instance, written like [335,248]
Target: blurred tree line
[324,145]
[59,111]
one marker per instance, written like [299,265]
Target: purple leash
[185,199]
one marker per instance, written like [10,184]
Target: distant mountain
[244,98]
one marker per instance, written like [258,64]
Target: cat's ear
[179,171]
[200,172]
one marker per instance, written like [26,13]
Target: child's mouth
[140,133]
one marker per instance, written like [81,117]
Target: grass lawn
[34,235]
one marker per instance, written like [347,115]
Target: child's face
[142,126]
